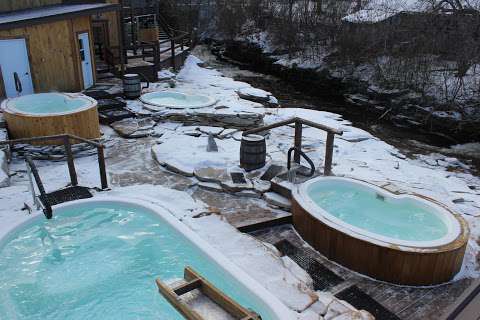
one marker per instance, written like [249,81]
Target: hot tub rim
[211,100]
[456,238]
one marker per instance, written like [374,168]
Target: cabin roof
[16,19]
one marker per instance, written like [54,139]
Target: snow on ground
[358,154]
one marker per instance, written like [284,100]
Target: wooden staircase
[193,281]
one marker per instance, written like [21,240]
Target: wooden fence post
[329,153]
[172,48]
[101,165]
[298,141]
[70,162]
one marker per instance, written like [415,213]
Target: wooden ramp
[194,281]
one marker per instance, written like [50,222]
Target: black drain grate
[323,278]
[361,300]
[66,195]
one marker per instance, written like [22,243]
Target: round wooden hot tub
[47,114]
[413,241]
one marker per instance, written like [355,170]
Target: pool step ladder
[194,281]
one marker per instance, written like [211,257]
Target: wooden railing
[66,139]
[299,122]
[180,41]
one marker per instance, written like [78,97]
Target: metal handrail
[304,155]
[47,211]
[66,139]
[299,122]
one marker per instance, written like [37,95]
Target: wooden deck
[406,303]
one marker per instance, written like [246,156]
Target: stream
[409,142]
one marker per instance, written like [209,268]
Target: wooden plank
[218,296]
[298,141]
[175,301]
[71,164]
[187,287]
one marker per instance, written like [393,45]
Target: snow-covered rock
[134,128]
[277,200]
[4,170]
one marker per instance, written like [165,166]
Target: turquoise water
[45,103]
[362,208]
[100,261]
[176,100]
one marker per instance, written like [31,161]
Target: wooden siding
[387,263]
[113,24]
[54,54]
[10,5]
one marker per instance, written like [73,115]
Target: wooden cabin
[48,45]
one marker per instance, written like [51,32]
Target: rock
[277,200]
[4,170]
[212,186]
[261,186]
[337,308]
[355,315]
[230,186]
[255,95]
[134,128]
[210,130]
[209,174]
[239,120]
[248,194]
[297,271]
[178,167]
[309,315]
[212,145]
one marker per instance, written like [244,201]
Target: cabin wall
[54,54]
[10,5]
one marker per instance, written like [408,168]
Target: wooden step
[193,281]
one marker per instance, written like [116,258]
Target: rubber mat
[66,195]
[323,278]
[363,301]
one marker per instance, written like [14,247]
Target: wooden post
[298,141]
[101,165]
[70,162]
[329,154]
[172,48]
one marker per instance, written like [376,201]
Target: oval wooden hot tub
[47,114]
[392,260]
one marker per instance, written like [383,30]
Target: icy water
[46,103]
[100,261]
[363,208]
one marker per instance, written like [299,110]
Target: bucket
[253,152]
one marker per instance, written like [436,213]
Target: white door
[15,67]
[86,60]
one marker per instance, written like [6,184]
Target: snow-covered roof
[379,10]
[15,18]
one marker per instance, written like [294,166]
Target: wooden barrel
[253,152]
[132,86]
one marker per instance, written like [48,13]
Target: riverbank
[353,96]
